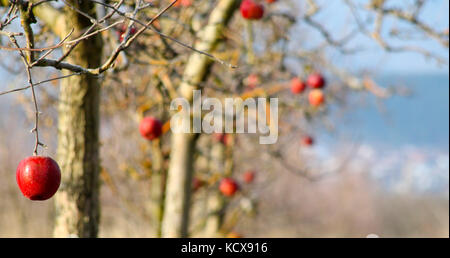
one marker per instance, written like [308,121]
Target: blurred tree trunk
[77,201]
[178,193]
[158,185]
[215,201]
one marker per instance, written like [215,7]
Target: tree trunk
[77,201]
[178,193]
[215,201]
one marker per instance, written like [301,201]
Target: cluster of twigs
[24,10]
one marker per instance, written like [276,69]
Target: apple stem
[36,113]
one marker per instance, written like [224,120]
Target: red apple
[228,187]
[307,141]
[252,81]
[271,1]
[251,10]
[150,128]
[249,176]
[184,3]
[316,97]
[316,81]
[297,86]
[38,177]
[223,138]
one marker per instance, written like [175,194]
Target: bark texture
[178,191]
[77,201]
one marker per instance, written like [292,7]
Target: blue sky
[336,17]
[435,14]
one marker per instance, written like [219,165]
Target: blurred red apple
[252,81]
[316,81]
[251,10]
[271,1]
[150,128]
[184,3]
[249,176]
[38,177]
[297,86]
[223,138]
[228,187]
[307,141]
[316,98]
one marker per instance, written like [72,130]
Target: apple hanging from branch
[316,81]
[228,187]
[307,141]
[38,177]
[251,10]
[249,176]
[316,97]
[150,128]
[297,86]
